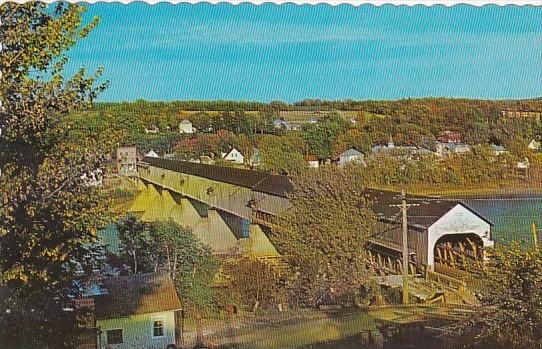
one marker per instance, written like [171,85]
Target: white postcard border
[330,2]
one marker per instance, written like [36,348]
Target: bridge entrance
[458,251]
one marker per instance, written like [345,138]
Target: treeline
[415,122]
[480,168]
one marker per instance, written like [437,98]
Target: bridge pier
[160,207]
[148,193]
[259,245]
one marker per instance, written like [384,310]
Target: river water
[512,216]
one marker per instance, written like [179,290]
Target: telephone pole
[404,206]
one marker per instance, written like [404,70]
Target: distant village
[448,143]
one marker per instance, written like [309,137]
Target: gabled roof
[151,154]
[231,151]
[425,214]
[186,122]
[351,152]
[136,294]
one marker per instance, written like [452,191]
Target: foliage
[149,247]
[256,282]
[480,166]
[282,154]
[322,135]
[214,144]
[511,316]
[135,245]
[48,214]
[322,235]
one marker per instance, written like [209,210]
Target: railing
[445,280]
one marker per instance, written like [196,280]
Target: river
[511,215]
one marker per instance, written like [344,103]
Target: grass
[306,328]
[310,332]
[287,330]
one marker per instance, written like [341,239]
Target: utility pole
[404,206]
[534,231]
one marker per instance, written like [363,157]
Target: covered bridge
[244,202]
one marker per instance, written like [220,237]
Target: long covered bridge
[231,210]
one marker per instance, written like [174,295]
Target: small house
[152,154]
[312,161]
[234,156]
[152,130]
[349,156]
[523,165]
[534,145]
[449,137]
[498,149]
[280,124]
[138,311]
[443,149]
[185,126]
[404,152]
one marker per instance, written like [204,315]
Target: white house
[523,165]
[185,126]
[152,154]
[443,149]
[153,129]
[498,149]
[234,156]
[312,161]
[534,145]
[138,311]
[256,159]
[349,156]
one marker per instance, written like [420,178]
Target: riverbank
[487,192]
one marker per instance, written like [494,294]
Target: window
[158,328]
[114,336]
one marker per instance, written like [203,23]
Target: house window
[158,328]
[114,336]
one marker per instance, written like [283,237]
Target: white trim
[164,332]
[478,226]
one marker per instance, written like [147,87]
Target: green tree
[168,246]
[282,154]
[322,235]
[48,214]
[135,245]
[322,135]
[511,297]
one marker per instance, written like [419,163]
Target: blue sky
[289,52]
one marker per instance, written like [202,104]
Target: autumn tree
[257,283]
[322,236]
[511,299]
[48,214]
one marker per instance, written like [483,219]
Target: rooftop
[136,294]
[428,211]
[256,180]
[351,152]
